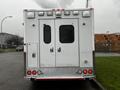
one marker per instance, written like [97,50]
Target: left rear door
[47,43]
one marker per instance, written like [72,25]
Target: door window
[47,34]
[66,33]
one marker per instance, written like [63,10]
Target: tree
[14,41]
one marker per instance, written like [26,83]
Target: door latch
[33,55]
[51,49]
[59,49]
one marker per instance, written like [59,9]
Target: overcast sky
[107,14]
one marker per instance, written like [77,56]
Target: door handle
[59,49]
[51,50]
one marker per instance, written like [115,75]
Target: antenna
[87,2]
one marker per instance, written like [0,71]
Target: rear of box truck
[59,44]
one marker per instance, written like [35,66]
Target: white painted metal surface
[32,54]
[47,57]
[68,56]
[77,54]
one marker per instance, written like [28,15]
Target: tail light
[29,72]
[34,72]
[90,71]
[85,71]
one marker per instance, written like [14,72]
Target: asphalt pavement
[12,77]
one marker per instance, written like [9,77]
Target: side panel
[67,42]
[31,41]
[32,54]
[47,47]
[86,42]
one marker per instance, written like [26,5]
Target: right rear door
[66,42]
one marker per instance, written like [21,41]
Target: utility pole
[3,21]
[2,29]
[87,3]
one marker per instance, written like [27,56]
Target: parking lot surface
[12,77]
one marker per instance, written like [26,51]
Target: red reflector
[62,9]
[58,9]
[29,72]
[85,71]
[34,72]
[90,71]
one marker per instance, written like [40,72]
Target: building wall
[107,42]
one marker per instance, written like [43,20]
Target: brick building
[107,42]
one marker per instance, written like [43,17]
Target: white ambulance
[59,44]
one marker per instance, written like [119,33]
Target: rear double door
[59,43]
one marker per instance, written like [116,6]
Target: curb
[101,87]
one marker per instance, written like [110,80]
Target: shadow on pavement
[64,85]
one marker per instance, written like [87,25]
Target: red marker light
[90,71]
[58,9]
[62,9]
[85,71]
[29,72]
[34,72]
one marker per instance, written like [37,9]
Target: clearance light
[90,71]
[41,13]
[75,12]
[86,14]
[29,72]
[34,72]
[59,9]
[85,71]
[49,13]
[31,15]
[58,13]
[67,13]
